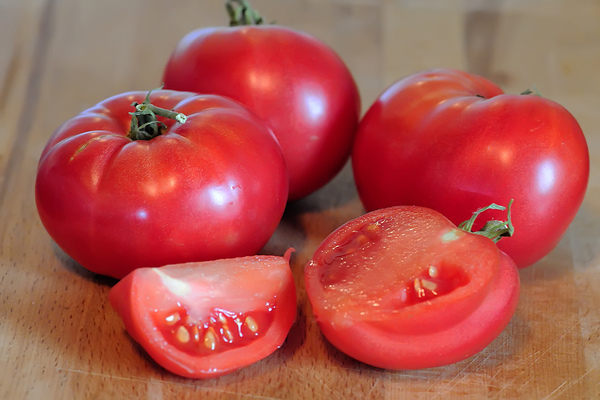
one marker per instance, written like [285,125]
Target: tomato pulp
[454,142]
[202,320]
[404,288]
[212,187]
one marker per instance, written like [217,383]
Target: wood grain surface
[59,338]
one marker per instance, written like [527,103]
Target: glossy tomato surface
[297,84]
[404,288]
[202,320]
[213,187]
[454,142]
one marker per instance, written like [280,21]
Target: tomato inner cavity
[433,282]
[220,331]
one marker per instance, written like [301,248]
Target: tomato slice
[207,319]
[404,288]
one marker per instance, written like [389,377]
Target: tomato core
[220,331]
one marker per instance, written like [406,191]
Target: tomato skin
[430,140]
[298,85]
[211,188]
[238,285]
[354,311]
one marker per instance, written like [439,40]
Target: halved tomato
[404,288]
[206,319]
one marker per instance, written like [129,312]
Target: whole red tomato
[202,320]
[404,288]
[297,84]
[212,187]
[454,142]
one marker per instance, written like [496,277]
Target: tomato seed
[173,319]
[433,271]
[195,333]
[373,230]
[210,339]
[251,324]
[361,240]
[227,335]
[418,288]
[182,334]
[429,285]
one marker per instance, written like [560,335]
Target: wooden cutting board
[59,338]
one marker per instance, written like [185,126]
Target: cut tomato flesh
[405,288]
[384,267]
[206,319]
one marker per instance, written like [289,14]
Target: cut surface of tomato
[206,319]
[404,288]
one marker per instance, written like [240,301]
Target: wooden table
[60,339]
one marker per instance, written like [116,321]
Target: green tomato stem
[531,91]
[144,122]
[494,230]
[240,13]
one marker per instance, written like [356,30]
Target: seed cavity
[218,331]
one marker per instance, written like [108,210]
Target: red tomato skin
[211,188]
[131,298]
[459,324]
[298,85]
[429,140]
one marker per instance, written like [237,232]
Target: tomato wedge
[207,319]
[404,288]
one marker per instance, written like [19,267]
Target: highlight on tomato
[130,183]
[405,288]
[207,319]
[452,141]
[298,85]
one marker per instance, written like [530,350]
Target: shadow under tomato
[74,267]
